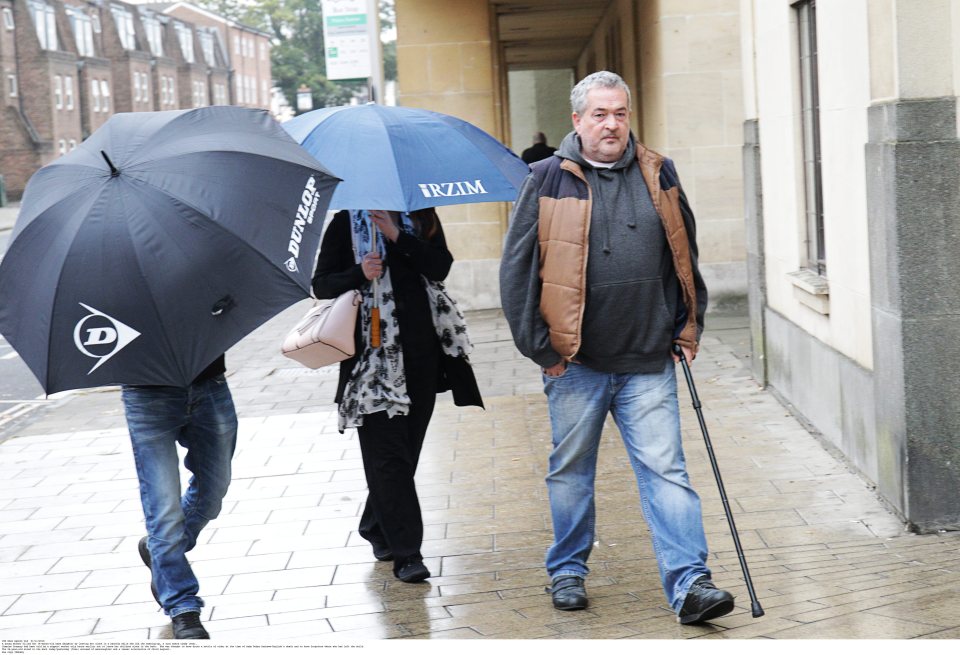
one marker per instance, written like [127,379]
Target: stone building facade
[852,163]
[508,66]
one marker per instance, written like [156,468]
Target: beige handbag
[325,335]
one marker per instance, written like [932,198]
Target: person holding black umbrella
[202,419]
[412,344]
[137,260]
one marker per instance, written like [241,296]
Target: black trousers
[390,448]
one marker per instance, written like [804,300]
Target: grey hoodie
[632,301]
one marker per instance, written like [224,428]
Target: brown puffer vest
[565,204]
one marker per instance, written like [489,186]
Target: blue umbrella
[161,241]
[401,158]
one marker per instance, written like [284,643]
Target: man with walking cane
[599,279]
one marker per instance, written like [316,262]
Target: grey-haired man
[599,279]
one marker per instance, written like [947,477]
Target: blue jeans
[645,409]
[202,419]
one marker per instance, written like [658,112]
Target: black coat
[408,258]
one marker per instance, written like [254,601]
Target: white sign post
[346,39]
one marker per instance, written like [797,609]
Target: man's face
[604,126]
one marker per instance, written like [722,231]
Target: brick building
[68,65]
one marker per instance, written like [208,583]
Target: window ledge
[812,290]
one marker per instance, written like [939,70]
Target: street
[19,389]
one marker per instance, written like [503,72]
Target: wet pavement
[284,564]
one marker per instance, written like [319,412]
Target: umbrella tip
[113,169]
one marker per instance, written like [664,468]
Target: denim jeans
[202,419]
[644,407]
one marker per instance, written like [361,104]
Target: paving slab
[284,563]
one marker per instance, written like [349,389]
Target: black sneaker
[569,593]
[145,556]
[188,626]
[382,552]
[413,571]
[704,602]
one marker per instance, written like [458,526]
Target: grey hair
[604,79]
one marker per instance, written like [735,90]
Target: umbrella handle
[375,327]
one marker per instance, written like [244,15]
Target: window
[199,94]
[136,86]
[810,126]
[95,21]
[68,91]
[172,92]
[185,36]
[95,95]
[145,82]
[12,85]
[62,146]
[73,144]
[151,25]
[58,91]
[263,51]
[82,31]
[123,18]
[206,44]
[8,18]
[104,95]
[266,93]
[45,20]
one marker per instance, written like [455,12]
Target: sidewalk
[8,215]
[284,563]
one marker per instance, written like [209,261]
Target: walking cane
[754,603]
[375,312]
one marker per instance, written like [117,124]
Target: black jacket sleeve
[336,271]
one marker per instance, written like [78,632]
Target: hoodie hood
[570,148]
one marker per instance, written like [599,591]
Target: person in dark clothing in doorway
[388,391]
[539,150]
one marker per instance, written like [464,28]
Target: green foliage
[296,33]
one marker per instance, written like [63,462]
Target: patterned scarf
[378,382]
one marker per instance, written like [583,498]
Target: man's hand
[687,353]
[555,370]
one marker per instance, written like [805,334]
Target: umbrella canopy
[404,159]
[161,241]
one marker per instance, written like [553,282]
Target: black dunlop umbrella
[157,244]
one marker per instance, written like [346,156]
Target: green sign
[350,20]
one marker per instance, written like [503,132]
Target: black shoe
[413,571]
[188,626]
[382,553]
[568,593]
[145,556]
[704,602]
